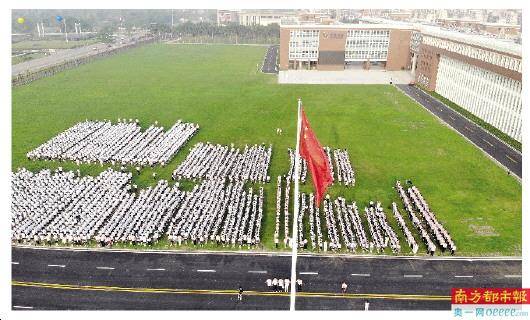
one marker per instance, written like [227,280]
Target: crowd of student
[408,235]
[208,160]
[344,226]
[382,234]
[61,207]
[123,143]
[435,228]
[50,207]
[220,213]
[339,164]
[142,218]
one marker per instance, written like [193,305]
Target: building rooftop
[507,46]
[345,26]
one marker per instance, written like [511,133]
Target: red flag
[317,161]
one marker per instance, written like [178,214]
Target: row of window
[368,33]
[492,57]
[363,55]
[492,97]
[304,34]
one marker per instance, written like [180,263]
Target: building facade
[482,75]
[344,46]
[485,81]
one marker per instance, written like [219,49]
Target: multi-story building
[344,46]
[265,17]
[482,75]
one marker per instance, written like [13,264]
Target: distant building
[226,17]
[344,46]
[266,17]
[482,75]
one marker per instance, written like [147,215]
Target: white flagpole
[294,236]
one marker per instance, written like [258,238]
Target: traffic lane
[507,156]
[270,60]
[37,298]
[55,58]
[406,276]
[148,270]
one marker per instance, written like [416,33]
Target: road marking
[512,276]
[468,129]
[253,271]
[452,118]
[57,265]
[391,296]
[157,269]
[206,270]
[360,274]
[22,307]
[491,145]
[463,276]
[14,262]
[413,276]
[307,272]
[105,268]
[511,159]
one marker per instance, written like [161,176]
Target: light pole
[65,32]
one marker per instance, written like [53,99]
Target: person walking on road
[299,284]
[280,285]
[366,305]
[286,283]
[344,287]
[240,294]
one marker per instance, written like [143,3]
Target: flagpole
[294,236]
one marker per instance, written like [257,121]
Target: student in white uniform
[286,283]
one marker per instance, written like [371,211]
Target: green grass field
[388,136]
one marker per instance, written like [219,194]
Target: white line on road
[512,276]
[452,118]
[105,268]
[468,129]
[360,274]
[511,159]
[22,307]
[491,145]
[463,276]
[14,262]
[57,265]
[413,276]
[207,270]
[254,271]
[307,272]
[156,269]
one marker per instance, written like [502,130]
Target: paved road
[67,279]
[508,157]
[56,58]
[270,60]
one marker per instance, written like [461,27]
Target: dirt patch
[484,231]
